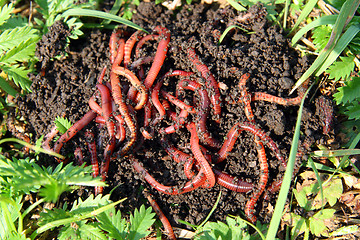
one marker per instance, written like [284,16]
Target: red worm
[120,53]
[228,144]
[108,151]
[155,99]
[203,112]
[261,96]
[245,97]
[102,75]
[113,45]
[90,142]
[210,83]
[142,41]
[177,155]
[265,138]
[264,175]
[177,102]
[129,46]
[79,156]
[73,130]
[94,105]
[48,137]
[106,106]
[135,82]
[195,149]
[179,122]
[194,183]
[159,56]
[141,61]
[231,182]
[167,226]
[124,111]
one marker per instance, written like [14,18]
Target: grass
[340,48]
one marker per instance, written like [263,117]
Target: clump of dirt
[261,50]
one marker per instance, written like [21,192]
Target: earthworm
[119,53]
[194,183]
[177,155]
[129,46]
[203,112]
[141,61]
[159,56]
[246,97]
[155,99]
[94,105]
[48,137]
[90,142]
[210,83]
[228,144]
[265,138]
[71,132]
[79,156]
[188,167]
[231,182]
[264,175]
[108,151]
[195,149]
[177,102]
[167,226]
[135,82]
[102,75]
[146,134]
[325,110]
[179,121]
[124,111]
[261,96]
[106,106]
[142,41]
[113,45]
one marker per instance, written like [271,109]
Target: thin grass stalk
[285,186]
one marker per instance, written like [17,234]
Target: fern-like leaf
[18,74]
[349,92]
[14,22]
[5,12]
[62,124]
[354,45]
[23,52]
[140,222]
[11,38]
[321,36]
[341,69]
[112,223]
[81,231]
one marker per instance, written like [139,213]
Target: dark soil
[69,81]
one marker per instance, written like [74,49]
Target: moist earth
[68,75]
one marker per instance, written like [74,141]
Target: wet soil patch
[68,80]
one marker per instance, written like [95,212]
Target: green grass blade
[76,218]
[236,5]
[340,46]
[285,186]
[335,153]
[7,88]
[212,210]
[346,13]
[101,15]
[35,148]
[286,12]
[304,13]
[227,30]
[325,20]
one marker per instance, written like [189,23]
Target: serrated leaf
[21,53]
[111,222]
[140,222]
[90,203]
[317,223]
[62,124]
[349,92]
[321,36]
[332,192]
[82,231]
[5,12]
[353,111]
[10,38]
[341,69]
[18,74]
[14,22]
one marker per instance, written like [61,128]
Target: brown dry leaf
[351,181]
[309,179]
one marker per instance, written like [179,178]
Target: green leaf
[19,75]
[5,12]
[349,92]
[14,22]
[345,230]
[23,52]
[62,124]
[304,13]
[140,222]
[7,88]
[332,192]
[341,69]
[236,5]
[353,111]
[11,38]
[320,36]
[317,224]
[82,231]
[111,222]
